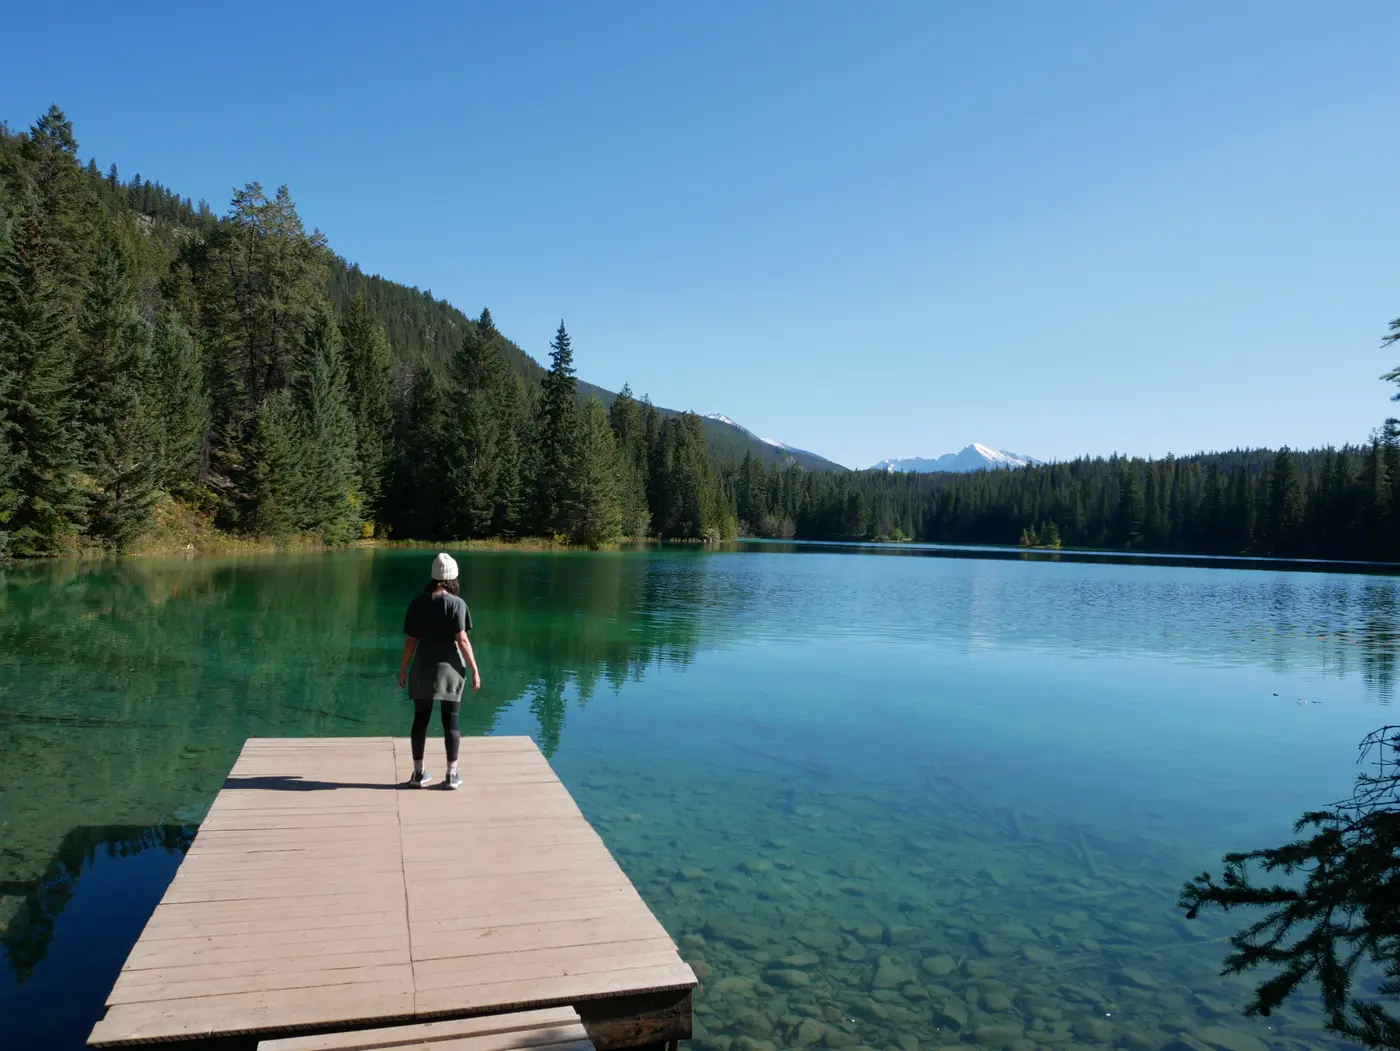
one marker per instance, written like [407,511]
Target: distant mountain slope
[976,457]
[725,432]
[423,327]
[420,326]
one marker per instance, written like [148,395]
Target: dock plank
[551,1027]
[321,892]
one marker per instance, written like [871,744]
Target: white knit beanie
[444,567]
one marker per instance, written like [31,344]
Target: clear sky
[868,230]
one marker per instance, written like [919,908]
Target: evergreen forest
[161,362]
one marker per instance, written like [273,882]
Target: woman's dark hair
[450,586]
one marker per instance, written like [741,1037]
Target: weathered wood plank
[529,1028]
[533,992]
[275,948]
[275,1010]
[599,931]
[465,972]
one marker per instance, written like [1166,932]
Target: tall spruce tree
[557,433]
[367,360]
[259,279]
[333,505]
[279,504]
[475,426]
[1287,505]
[690,504]
[511,481]
[1131,508]
[36,348]
[180,404]
[62,203]
[120,441]
[598,508]
[419,487]
[9,430]
[511,424]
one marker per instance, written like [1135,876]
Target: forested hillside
[1339,504]
[159,360]
[151,352]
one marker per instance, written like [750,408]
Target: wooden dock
[322,895]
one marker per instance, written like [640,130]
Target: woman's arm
[409,645]
[465,645]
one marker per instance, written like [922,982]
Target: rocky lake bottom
[882,800]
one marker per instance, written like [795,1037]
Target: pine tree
[259,279]
[333,505]
[10,454]
[1131,508]
[180,404]
[367,361]
[598,509]
[36,353]
[279,496]
[690,504]
[65,209]
[474,431]
[1287,504]
[509,517]
[421,467]
[557,439]
[120,441]
[1050,536]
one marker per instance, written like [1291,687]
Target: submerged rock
[938,966]
[1094,1029]
[1001,1037]
[996,1002]
[902,934]
[952,1014]
[891,975]
[788,978]
[1137,979]
[1223,1039]
[870,933]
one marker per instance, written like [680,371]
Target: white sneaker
[421,780]
[454,781]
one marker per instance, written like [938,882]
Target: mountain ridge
[974,457]
[802,457]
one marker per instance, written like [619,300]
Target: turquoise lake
[955,792]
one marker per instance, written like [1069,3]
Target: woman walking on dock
[436,643]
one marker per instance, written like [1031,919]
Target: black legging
[451,734]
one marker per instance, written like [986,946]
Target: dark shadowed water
[882,800]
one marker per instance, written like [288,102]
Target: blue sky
[864,229]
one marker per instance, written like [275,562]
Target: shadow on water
[32,925]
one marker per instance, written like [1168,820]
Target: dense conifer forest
[159,362]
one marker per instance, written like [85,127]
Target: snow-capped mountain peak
[975,457]
[720,417]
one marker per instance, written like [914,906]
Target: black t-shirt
[437,618]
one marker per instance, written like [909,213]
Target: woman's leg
[422,713]
[451,733]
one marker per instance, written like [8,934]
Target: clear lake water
[883,797]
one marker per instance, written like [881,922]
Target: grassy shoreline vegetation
[166,372]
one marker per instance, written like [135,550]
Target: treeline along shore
[166,370]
